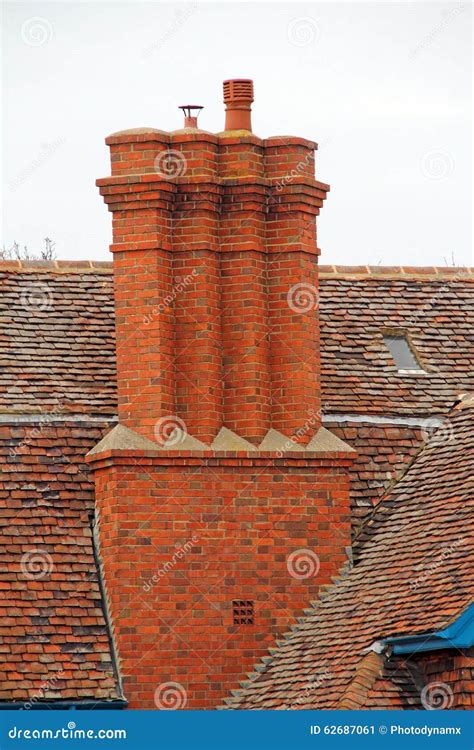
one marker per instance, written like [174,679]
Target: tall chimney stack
[218,485]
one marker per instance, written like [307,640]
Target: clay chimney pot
[238,98]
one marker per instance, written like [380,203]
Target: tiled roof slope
[382,453]
[448,671]
[413,575]
[57,347]
[57,337]
[398,687]
[53,637]
[436,309]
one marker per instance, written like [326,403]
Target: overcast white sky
[385,88]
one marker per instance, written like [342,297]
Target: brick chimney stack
[219,452]
[215,263]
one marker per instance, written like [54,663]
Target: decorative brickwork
[238,495]
[214,242]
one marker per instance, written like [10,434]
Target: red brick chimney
[219,472]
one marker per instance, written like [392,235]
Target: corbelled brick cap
[123,439]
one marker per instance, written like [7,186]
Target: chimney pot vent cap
[191,113]
[238,89]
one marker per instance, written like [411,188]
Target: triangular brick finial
[123,438]
[226,440]
[275,441]
[326,441]
[179,440]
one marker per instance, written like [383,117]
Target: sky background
[385,88]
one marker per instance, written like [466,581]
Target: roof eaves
[71,705]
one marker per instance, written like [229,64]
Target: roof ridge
[326,271]
[423,273]
[367,671]
[57,266]
[366,528]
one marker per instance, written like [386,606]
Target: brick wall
[182,538]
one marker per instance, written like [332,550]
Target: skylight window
[402,354]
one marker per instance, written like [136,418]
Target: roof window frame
[402,333]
